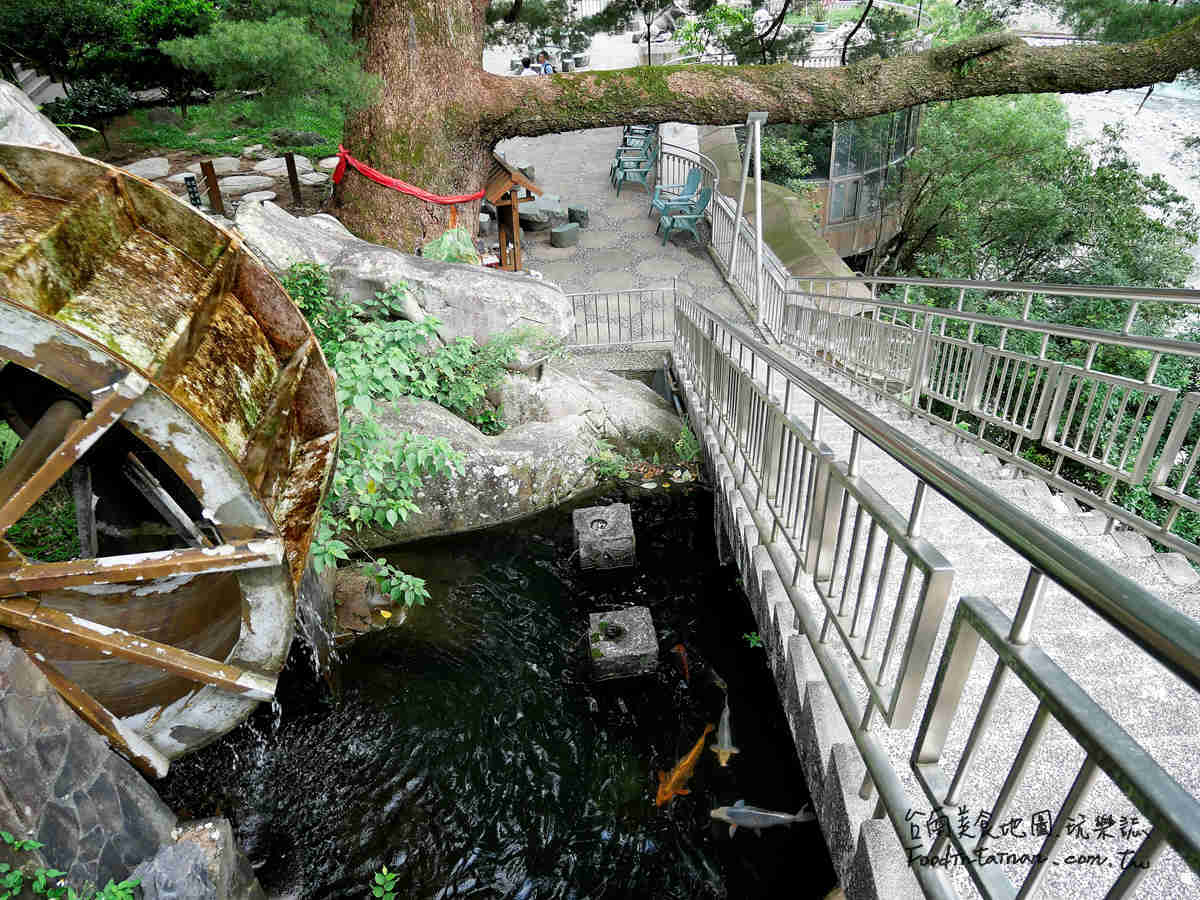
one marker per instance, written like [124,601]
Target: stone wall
[60,784]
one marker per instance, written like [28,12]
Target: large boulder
[620,410]
[555,424]
[468,300]
[520,472]
[21,123]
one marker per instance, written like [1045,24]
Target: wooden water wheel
[156,373]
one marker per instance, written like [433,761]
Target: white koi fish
[757,819]
[724,744]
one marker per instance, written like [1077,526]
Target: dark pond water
[469,752]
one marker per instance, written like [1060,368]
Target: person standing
[527,67]
[544,66]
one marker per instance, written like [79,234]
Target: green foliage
[151,22]
[290,50]
[247,120]
[453,245]
[607,463]
[48,532]
[997,193]
[67,39]
[379,360]
[688,447]
[41,882]
[752,639]
[384,884]
[91,101]
[730,29]
[1122,20]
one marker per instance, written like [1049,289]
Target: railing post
[920,363]
[823,517]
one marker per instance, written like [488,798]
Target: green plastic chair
[685,219]
[630,157]
[670,197]
[640,172]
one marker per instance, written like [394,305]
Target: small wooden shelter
[503,190]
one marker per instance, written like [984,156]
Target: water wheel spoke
[28,615]
[141,566]
[124,740]
[55,457]
[148,485]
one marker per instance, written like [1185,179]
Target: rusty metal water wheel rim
[145,343]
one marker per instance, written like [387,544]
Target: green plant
[379,360]
[687,447]
[93,100]
[607,463]
[384,886]
[820,13]
[752,639]
[42,882]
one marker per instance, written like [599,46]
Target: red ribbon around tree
[344,159]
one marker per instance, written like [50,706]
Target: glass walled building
[858,165]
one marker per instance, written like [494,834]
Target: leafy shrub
[687,447]
[379,361]
[91,101]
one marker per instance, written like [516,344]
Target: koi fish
[678,648]
[670,785]
[757,819]
[724,746]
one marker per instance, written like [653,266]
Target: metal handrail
[1162,631]
[613,319]
[1116,292]
[1074,332]
[942,366]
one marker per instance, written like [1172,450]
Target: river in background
[469,751]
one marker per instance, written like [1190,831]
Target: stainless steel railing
[881,593]
[775,276]
[623,318]
[675,162]
[1057,401]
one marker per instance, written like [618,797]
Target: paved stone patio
[619,250]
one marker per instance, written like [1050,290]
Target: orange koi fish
[670,785]
[678,648]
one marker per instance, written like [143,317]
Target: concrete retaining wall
[869,860]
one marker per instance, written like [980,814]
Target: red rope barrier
[395,184]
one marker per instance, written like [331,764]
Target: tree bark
[440,114]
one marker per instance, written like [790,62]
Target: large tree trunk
[440,113]
[428,54]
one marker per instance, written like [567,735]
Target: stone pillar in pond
[623,643]
[604,536]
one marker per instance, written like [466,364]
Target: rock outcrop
[467,300]
[21,123]
[61,785]
[541,460]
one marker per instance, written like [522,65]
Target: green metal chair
[685,219]
[639,172]
[670,197]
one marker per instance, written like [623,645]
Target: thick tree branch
[714,95]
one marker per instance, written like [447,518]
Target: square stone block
[604,536]
[633,652]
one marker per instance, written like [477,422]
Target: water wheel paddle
[155,369]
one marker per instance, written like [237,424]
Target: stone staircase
[38,88]
[1151,705]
